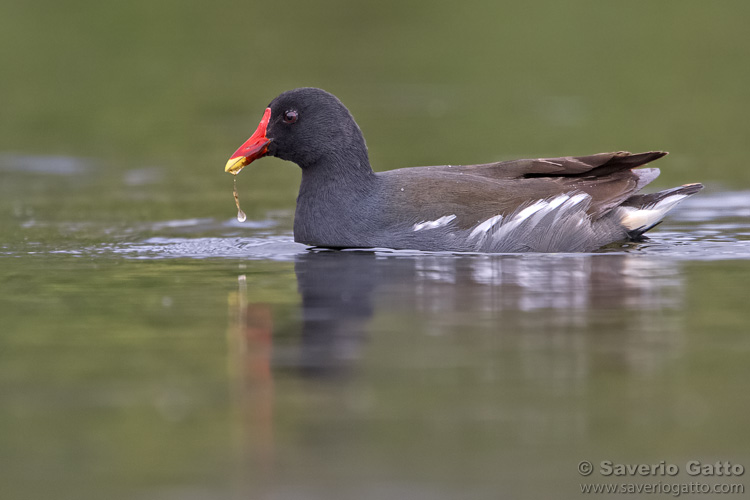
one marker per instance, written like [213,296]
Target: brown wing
[476,192]
[503,187]
[598,165]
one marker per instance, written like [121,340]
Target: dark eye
[290,116]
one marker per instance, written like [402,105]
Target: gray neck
[335,199]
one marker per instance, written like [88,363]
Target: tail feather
[642,212]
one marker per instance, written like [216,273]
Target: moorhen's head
[304,126]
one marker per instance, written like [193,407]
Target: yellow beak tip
[234,165]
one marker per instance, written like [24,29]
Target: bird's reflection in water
[341,292]
[337,291]
[546,310]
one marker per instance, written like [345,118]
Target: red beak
[254,148]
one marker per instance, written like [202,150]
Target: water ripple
[704,228]
[271,248]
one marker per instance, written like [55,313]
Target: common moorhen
[566,204]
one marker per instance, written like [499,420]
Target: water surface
[205,358]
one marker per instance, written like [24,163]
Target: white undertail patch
[634,218]
[433,224]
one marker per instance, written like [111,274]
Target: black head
[307,126]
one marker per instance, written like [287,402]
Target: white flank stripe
[530,210]
[575,200]
[486,226]
[528,217]
[557,201]
[539,226]
[432,224]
